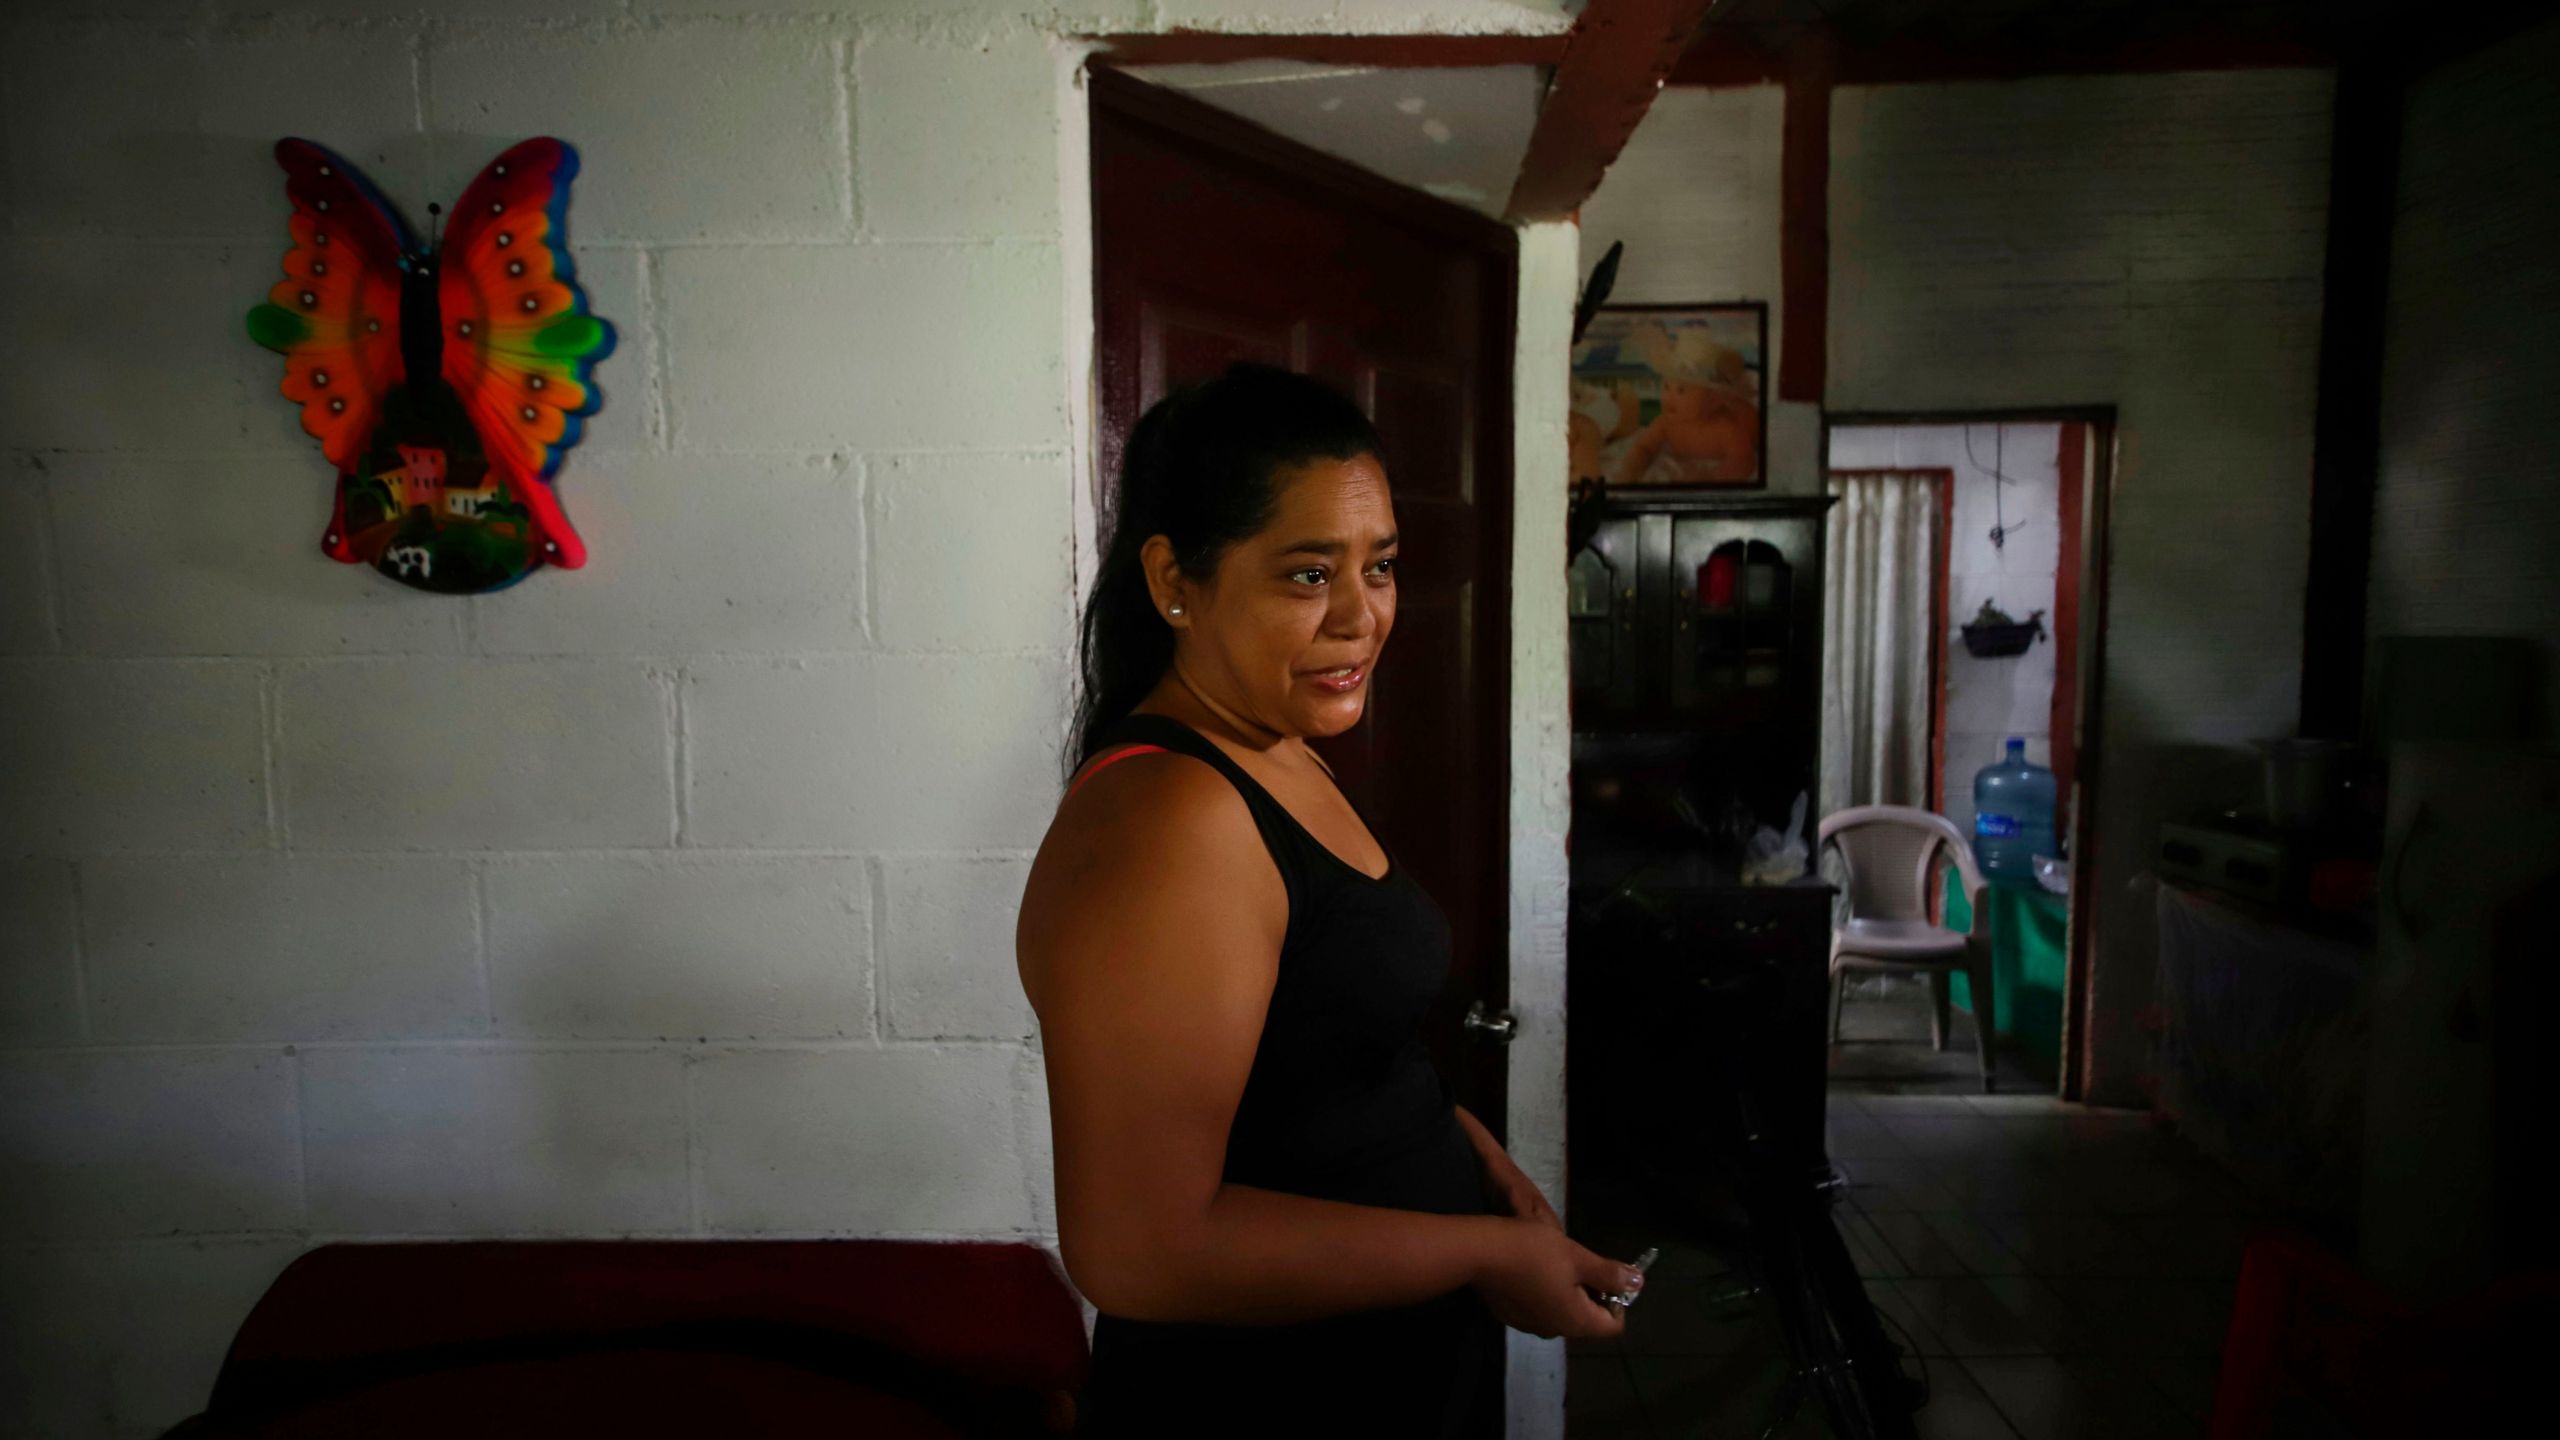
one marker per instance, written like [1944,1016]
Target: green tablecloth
[2027,958]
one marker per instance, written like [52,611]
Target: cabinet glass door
[1603,612]
[1733,626]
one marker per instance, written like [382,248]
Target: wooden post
[2346,445]
[1616,58]
[1804,228]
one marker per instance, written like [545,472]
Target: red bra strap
[1115,756]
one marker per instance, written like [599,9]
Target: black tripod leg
[1882,1394]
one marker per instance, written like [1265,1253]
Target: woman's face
[1286,631]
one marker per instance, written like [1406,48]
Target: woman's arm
[1149,942]
[1503,1175]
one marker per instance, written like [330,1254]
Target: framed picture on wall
[1671,396]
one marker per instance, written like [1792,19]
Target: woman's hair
[1201,469]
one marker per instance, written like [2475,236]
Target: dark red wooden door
[1216,240]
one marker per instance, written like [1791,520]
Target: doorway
[1216,240]
[2023,543]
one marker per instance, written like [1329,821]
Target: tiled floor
[2066,1272]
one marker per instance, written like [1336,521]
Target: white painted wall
[2152,242]
[1541,769]
[1695,196]
[1988,700]
[669,897]
[2467,518]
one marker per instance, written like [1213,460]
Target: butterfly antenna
[433,210]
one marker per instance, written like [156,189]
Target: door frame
[2096,496]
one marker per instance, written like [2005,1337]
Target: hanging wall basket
[1992,635]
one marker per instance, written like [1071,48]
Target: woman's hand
[1544,1283]
[1520,1195]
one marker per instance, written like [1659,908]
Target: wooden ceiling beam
[1738,56]
[1804,219]
[1616,58]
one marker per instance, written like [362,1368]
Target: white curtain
[1879,571]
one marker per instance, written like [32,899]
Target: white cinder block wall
[2467,517]
[669,897]
[2151,242]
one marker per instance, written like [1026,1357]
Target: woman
[1262,1186]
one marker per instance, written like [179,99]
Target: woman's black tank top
[1344,1103]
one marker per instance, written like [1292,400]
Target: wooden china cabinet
[1697,693]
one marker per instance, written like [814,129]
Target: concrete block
[1260,16]
[143,348]
[703,133]
[1074,16]
[972,744]
[2011,696]
[480,9]
[956,139]
[1695,198]
[479,1141]
[875,751]
[32,10]
[1039,1153]
[159,135]
[117,755]
[288,948]
[618,947]
[188,556]
[499,754]
[907,1140]
[26,563]
[1431,17]
[973,552]
[104,1145]
[39,953]
[123,1339]
[947,964]
[1865,447]
[721,553]
[865,347]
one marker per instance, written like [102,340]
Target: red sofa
[726,1338]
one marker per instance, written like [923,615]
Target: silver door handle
[1499,1028]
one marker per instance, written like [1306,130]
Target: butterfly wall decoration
[446,382]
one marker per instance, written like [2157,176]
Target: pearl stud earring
[1177,609]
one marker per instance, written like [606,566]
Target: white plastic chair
[1891,852]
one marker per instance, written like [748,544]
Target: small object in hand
[1643,1263]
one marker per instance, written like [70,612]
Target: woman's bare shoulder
[1145,813]
[1148,843]
[1150,821]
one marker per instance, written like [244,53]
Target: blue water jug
[2013,814]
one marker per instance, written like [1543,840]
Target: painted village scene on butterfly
[429,510]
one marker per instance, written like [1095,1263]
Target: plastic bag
[1774,858]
